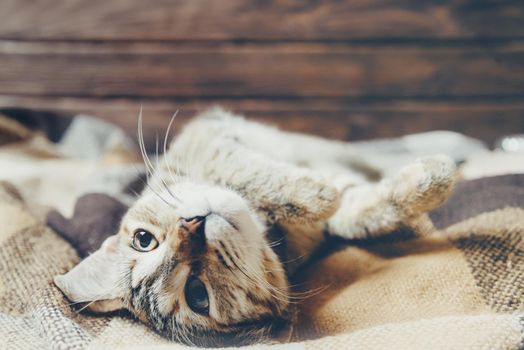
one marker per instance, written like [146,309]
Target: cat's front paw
[302,198]
[423,185]
[320,198]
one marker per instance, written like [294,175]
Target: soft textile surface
[455,283]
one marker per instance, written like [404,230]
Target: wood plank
[272,70]
[332,118]
[262,20]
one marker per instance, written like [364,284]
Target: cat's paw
[319,199]
[423,185]
[301,198]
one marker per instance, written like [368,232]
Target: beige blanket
[457,286]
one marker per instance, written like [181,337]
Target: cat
[193,259]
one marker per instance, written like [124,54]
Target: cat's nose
[195,226]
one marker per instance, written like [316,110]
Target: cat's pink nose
[195,225]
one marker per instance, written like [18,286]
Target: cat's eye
[144,241]
[196,295]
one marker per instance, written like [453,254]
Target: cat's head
[193,263]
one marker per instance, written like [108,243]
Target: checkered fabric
[459,285]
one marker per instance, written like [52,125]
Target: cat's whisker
[275,292]
[141,144]
[187,333]
[182,334]
[118,285]
[159,175]
[179,332]
[301,296]
[256,278]
[281,294]
[185,163]
[270,245]
[150,169]
[135,193]
[150,187]
[173,327]
[146,183]
[147,162]
[86,306]
[166,137]
[294,259]
[275,243]
[243,272]
[75,303]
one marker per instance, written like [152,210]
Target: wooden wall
[344,69]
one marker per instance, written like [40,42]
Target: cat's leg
[322,155]
[373,209]
[280,191]
[328,156]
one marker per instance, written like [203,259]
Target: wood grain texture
[259,20]
[332,118]
[350,70]
[245,71]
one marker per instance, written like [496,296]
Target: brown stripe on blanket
[439,291]
[493,245]
[487,218]
[488,227]
[356,289]
[31,307]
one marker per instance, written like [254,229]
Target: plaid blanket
[65,182]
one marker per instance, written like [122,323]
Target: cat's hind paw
[423,185]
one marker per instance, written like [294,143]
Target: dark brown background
[344,69]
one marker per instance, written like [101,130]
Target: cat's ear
[97,280]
